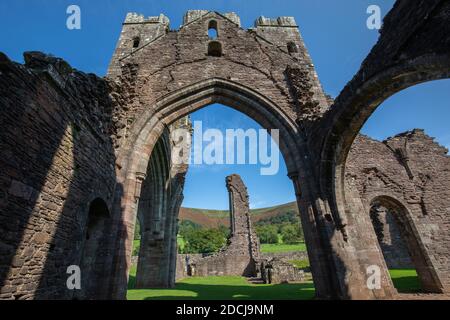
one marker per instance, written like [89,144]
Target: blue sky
[335,34]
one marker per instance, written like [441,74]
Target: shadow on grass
[190,291]
[409,284]
[405,280]
[131,281]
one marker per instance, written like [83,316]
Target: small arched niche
[292,47]
[136,42]
[215,49]
[212,30]
[92,259]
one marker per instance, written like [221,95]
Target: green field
[301,264]
[279,247]
[231,287]
[225,288]
[405,280]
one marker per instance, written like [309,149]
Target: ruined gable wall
[415,170]
[176,59]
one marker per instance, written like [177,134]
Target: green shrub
[291,234]
[204,241]
[267,233]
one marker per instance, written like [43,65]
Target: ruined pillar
[242,254]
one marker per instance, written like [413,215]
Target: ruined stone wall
[241,255]
[183,264]
[276,271]
[285,256]
[57,157]
[414,171]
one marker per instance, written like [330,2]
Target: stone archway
[405,240]
[349,114]
[404,55]
[134,160]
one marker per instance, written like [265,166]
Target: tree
[290,233]
[187,226]
[267,233]
[204,241]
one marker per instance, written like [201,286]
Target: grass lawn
[405,280]
[222,288]
[280,247]
[233,287]
[301,264]
[136,244]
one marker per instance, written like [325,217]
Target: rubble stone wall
[242,253]
[408,174]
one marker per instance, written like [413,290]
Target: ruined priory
[83,157]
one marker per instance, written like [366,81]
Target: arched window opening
[91,260]
[390,235]
[98,212]
[212,30]
[136,42]
[292,47]
[400,251]
[215,49]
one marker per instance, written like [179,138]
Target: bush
[187,226]
[137,230]
[267,233]
[287,217]
[204,241]
[291,234]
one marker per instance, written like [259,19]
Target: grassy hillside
[214,218]
[206,231]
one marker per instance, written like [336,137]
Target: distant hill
[215,218]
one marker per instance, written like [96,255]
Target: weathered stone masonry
[76,150]
[409,174]
[241,255]
[160,198]
[57,157]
